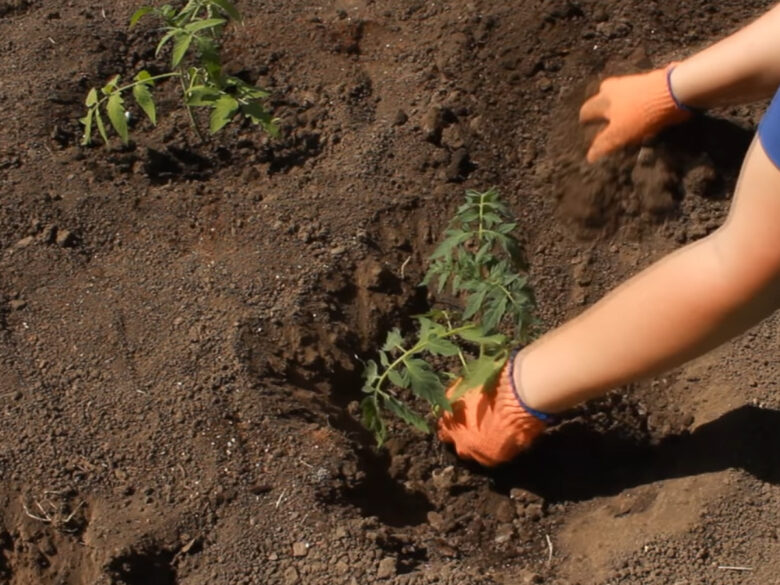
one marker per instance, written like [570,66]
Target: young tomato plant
[194,33]
[479,263]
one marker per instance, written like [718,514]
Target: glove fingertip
[593,109]
[603,144]
[444,434]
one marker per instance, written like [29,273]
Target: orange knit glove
[490,425]
[635,107]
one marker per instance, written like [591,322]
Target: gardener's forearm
[741,68]
[679,308]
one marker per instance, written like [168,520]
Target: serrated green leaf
[405,413]
[165,38]
[144,77]
[474,303]
[224,110]
[167,11]
[202,95]
[255,112]
[200,25]
[445,248]
[101,126]
[273,128]
[92,97]
[399,378]
[394,340]
[384,362]
[87,122]
[494,312]
[425,383]
[469,215]
[110,87]
[180,45]
[252,92]
[370,374]
[478,336]
[372,419]
[439,346]
[209,58]
[479,373]
[139,14]
[116,114]
[189,10]
[491,218]
[455,286]
[228,8]
[426,326]
[143,98]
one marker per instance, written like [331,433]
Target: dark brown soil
[181,323]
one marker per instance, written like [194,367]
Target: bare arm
[741,68]
[681,307]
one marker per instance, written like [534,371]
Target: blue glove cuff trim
[677,102]
[542,416]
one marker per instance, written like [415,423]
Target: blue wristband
[769,130]
[542,416]
[677,102]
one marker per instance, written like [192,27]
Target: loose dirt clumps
[182,324]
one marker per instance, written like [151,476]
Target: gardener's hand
[488,424]
[635,107]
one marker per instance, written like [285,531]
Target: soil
[182,322]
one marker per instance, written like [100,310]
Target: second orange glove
[635,107]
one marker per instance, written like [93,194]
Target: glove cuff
[661,106]
[526,422]
[544,417]
[677,102]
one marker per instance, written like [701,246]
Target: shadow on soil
[721,143]
[578,463]
[144,568]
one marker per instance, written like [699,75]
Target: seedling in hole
[194,33]
[479,263]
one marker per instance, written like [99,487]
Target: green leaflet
[202,95]
[372,419]
[87,122]
[116,114]
[405,413]
[425,383]
[181,42]
[200,25]
[165,38]
[399,378]
[481,372]
[477,335]
[143,98]
[139,14]
[92,97]
[393,340]
[443,347]
[228,8]
[224,109]
[101,126]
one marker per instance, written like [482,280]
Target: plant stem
[481,209]
[184,91]
[461,357]
[134,83]
[416,348]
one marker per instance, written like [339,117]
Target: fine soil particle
[182,322]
